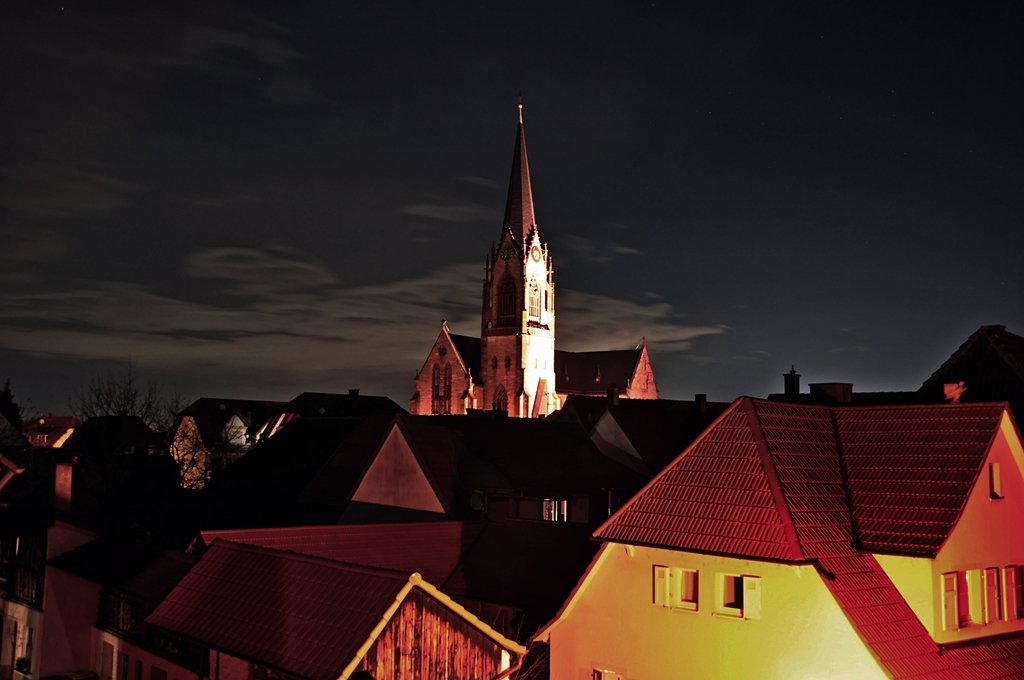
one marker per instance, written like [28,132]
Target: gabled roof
[469,351]
[349,405]
[212,414]
[461,454]
[519,217]
[103,436]
[1008,346]
[131,566]
[910,470]
[302,615]
[528,565]
[595,372]
[434,549]
[766,480]
[311,462]
[659,429]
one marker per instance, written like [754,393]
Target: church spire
[519,217]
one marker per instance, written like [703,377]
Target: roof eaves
[379,628]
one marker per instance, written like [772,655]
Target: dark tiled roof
[659,429]
[276,481]
[298,614]
[433,549]
[460,455]
[469,351]
[532,566]
[103,436]
[350,405]
[1008,346]
[130,566]
[211,415]
[910,472]
[595,372]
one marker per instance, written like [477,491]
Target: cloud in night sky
[281,313]
[44,191]
[459,213]
[596,251]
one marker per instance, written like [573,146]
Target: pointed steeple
[519,217]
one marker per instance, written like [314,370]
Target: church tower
[517,334]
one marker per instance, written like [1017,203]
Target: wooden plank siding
[427,640]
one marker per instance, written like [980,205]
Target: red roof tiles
[892,479]
[298,614]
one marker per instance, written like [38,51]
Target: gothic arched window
[435,390]
[507,303]
[534,297]
[446,395]
[500,399]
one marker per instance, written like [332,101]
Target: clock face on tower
[535,253]
[507,252]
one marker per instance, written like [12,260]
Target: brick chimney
[791,381]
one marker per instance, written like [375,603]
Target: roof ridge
[338,565]
[772,476]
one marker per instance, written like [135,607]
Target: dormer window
[995,482]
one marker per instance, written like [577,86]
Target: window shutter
[660,585]
[950,619]
[751,597]
[993,608]
[1011,594]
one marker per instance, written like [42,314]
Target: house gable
[444,384]
[396,478]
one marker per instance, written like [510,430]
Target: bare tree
[123,393]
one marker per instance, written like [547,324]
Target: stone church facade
[513,367]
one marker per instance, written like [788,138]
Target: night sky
[256,199]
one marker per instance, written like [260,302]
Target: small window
[676,587]
[739,596]
[556,510]
[995,482]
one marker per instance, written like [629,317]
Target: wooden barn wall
[428,640]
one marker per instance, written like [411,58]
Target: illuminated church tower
[517,333]
[513,366]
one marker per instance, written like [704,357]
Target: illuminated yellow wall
[988,533]
[612,624]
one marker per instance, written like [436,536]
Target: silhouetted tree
[123,393]
[10,408]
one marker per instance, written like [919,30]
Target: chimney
[701,400]
[792,384]
[353,393]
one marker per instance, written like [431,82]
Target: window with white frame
[556,509]
[676,587]
[975,597]
[738,595]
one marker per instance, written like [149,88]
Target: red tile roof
[773,468]
[434,549]
[531,566]
[298,614]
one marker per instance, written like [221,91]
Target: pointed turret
[519,217]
